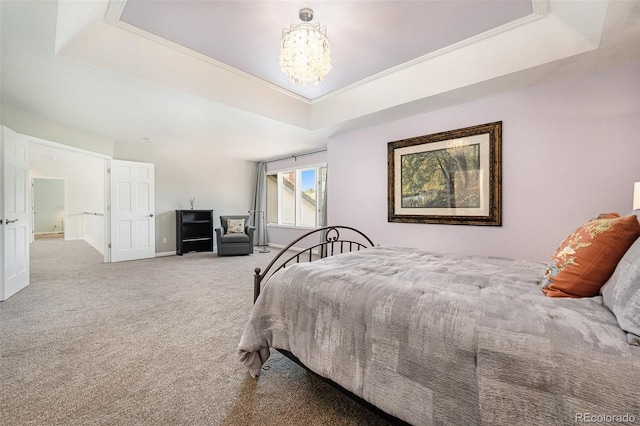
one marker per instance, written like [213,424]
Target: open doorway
[48,207]
[84,176]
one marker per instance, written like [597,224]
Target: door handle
[10,221]
[151,215]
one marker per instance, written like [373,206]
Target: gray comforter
[448,339]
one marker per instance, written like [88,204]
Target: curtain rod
[295,156]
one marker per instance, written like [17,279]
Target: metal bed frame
[330,243]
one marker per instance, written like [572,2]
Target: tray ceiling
[367,37]
[206,73]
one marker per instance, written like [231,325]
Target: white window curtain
[259,207]
[322,210]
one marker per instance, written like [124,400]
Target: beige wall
[222,184]
[219,183]
[32,125]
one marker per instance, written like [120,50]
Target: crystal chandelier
[305,55]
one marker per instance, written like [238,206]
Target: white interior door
[14,199]
[133,225]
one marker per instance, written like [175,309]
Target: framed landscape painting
[451,177]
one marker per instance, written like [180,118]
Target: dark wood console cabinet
[194,231]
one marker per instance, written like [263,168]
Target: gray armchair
[234,243]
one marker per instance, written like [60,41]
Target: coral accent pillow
[588,257]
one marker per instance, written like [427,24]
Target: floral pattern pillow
[588,257]
[235,226]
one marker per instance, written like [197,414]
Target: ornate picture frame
[452,177]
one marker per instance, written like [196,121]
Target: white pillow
[621,293]
[235,226]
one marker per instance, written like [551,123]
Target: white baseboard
[166,253]
[279,246]
[174,253]
[294,248]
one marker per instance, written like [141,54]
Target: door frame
[33,198]
[106,158]
[107,187]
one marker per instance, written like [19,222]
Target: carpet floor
[147,342]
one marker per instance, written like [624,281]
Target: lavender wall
[571,150]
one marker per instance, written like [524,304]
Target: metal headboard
[329,244]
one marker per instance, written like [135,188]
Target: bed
[433,338]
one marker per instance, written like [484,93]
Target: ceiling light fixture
[305,54]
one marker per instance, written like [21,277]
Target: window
[293,196]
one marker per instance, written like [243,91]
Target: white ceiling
[215,79]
